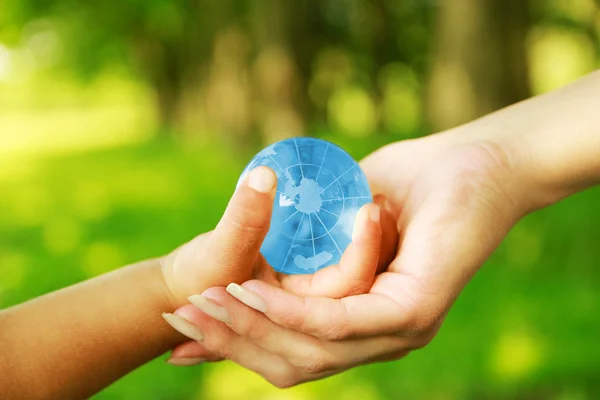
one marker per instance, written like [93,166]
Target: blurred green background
[124,125]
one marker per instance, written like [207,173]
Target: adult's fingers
[300,350]
[305,352]
[381,311]
[389,231]
[355,272]
[191,353]
[359,262]
[220,341]
[373,247]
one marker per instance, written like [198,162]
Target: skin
[454,197]
[107,326]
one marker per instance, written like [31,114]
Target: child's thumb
[236,241]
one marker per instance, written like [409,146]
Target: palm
[450,215]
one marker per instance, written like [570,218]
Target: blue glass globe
[320,189]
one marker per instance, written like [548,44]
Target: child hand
[229,253]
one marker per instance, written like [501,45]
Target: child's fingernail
[184,326]
[185,362]
[247,297]
[262,179]
[211,308]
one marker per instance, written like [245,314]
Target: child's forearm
[72,343]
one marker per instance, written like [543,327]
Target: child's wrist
[155,286]
[179,273]
[175,298]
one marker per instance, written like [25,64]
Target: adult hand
[455,195]
[454,199]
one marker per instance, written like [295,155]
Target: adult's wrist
[564,138]
[534,179]
[508,165]
[552,141]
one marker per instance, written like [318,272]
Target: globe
[320,189]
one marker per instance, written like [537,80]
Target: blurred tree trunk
[479,60]
[178,65]
[277,76]
[231,72]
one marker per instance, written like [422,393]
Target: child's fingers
[236,241]
[356,271]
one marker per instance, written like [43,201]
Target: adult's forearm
[553,139]
[72,343]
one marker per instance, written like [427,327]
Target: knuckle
[334,333]
[422,341]
[251,329]
[217,345]
[247,211]
[282,383]
[224,352]
[284,379]
[357,286]
[318,364]
[294,320]
[331,323]
[392,356]
[421,325]
[323,322]
[422,312]
[245,219]
[312,359]
[334,324]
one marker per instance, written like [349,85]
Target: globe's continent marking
[309,201]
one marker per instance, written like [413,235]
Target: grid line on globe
[320,189]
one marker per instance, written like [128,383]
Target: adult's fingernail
[366,215]
[387,205]
[374,213]
[247,297]
[185,362]
[262,179]
[211,308]
[184,326]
